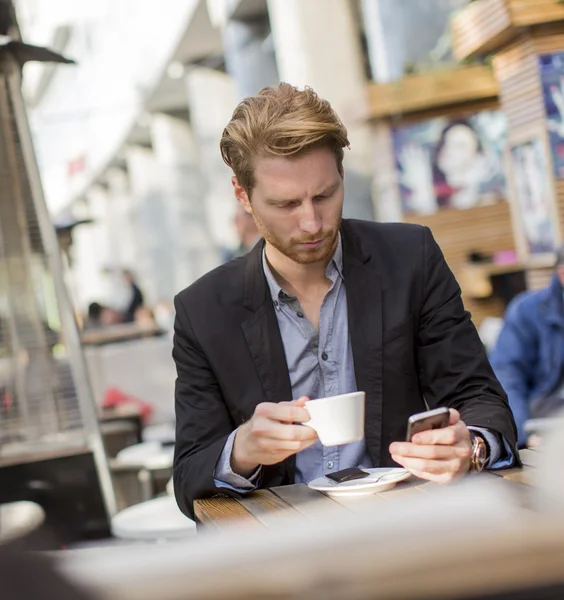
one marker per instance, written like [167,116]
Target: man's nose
[310,222]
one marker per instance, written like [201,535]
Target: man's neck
[293,277]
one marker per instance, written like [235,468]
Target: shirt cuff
[501,454]
[224,477]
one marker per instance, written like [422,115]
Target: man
[529,355]
[322,307]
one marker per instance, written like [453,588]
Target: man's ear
[241,195]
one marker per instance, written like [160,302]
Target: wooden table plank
[221,511]
[263,507]
[313,505]
[410,487]
[523,475]
[359,504]
[266,507]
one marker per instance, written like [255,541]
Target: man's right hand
[271,436]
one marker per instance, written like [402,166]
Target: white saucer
[359,487]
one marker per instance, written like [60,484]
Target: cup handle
[310,424]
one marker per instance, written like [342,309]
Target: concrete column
[154,255]
[122,222]
[91,251]
[212,99]
[317,43]
[181,181]
[249,55]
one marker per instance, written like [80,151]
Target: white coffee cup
[338,419]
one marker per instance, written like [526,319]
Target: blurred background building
[128,138]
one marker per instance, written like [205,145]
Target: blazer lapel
[262,333]
[265,345]
[364,307]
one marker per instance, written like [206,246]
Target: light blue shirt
[320,364]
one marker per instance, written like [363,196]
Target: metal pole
[68,322]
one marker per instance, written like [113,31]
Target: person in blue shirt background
[528,357]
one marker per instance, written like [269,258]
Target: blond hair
[280,121]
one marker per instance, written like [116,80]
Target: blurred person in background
[324,306]
[145,317]
[135,299]
[247,233]
[100,315]
[528,357]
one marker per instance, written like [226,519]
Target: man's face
[297,204]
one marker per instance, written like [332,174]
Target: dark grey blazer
[411,339]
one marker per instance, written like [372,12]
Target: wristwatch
[479,456]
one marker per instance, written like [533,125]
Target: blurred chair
[158,519]
[141,472]
[18,519]
[142,368]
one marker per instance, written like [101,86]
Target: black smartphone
[347,475]
[430,419]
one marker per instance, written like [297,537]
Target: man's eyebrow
[326,191]
[281,200]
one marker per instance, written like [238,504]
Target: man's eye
[289,205]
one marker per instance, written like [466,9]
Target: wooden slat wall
[521,95]
[485,229]
[447,87]
[520,87]
[525,13]
[538,278]
[487,25]
[483,26]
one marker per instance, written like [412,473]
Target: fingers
[431,452]
[299,402]
[284,446]
[442,478]
[287,412]
[264,427]
[440,471]
[448,436]
[454,416]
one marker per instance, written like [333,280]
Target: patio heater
[51,449]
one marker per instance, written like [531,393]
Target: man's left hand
[440,455]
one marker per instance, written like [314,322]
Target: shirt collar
[334,269]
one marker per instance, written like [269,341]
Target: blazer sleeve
[453,366]
[203,423]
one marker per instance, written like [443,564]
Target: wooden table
[263,507]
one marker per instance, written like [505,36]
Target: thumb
[454,417]
[300,401]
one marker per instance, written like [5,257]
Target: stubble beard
[293,250]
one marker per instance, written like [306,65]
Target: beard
[294,249]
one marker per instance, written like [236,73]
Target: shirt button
[329,464]
[300,314]
[324,356]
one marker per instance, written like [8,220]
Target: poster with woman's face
[531,175]
[451,162]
